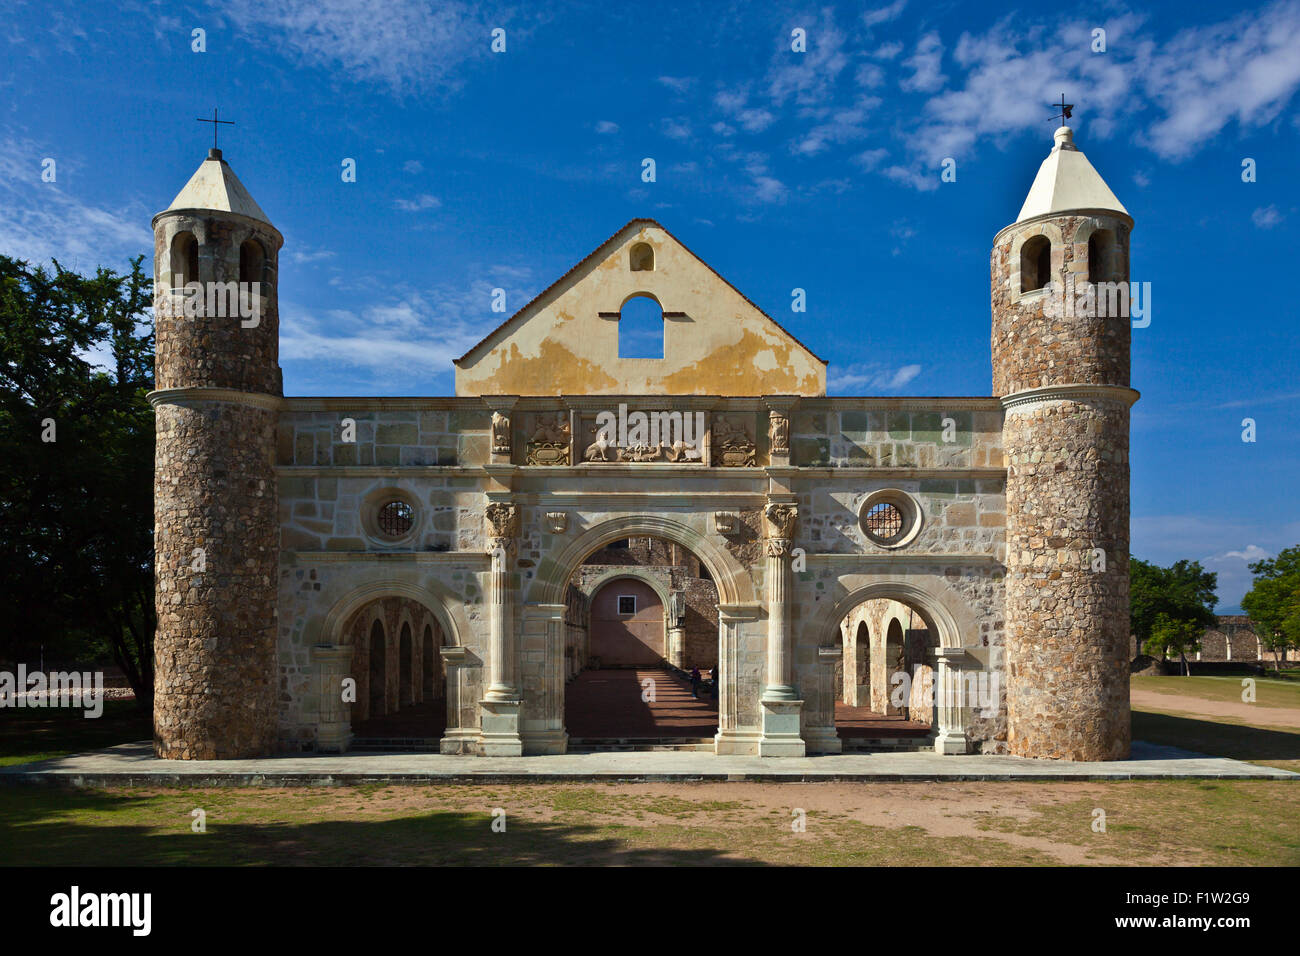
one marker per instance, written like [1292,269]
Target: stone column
[950,700]
[334,721]
[501,702]
[676,646]
[781,708]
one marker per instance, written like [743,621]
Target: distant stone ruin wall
[1233,638]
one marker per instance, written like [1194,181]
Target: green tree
[1166,603]
[76,467]
[1273,602]
[1170,635]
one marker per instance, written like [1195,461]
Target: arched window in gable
[641,257]
[641,329]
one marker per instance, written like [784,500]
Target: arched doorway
[401,695]
[884,695]
[647,609]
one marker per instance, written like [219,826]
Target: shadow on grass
[98,828]
[41,733]
[1219,740]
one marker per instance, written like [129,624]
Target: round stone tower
[216,522]
[1061,332]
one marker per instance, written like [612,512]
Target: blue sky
[818,170]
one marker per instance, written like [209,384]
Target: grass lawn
[1269,692]
[1158,822]
[40,733]
[1245,734]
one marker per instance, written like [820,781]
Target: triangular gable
[565,341]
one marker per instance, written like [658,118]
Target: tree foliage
[76,466]
[1273,602]
[1170,601]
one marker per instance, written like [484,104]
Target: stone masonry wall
[1068,636]
[215,653]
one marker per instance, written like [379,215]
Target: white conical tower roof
[1066,181]
[215,186]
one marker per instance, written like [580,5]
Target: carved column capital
[781,518]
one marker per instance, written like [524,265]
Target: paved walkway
[135,765]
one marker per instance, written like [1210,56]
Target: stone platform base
[134,765]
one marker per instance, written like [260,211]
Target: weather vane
[214,121]
[1064,107]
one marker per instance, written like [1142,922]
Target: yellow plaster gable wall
[720,344]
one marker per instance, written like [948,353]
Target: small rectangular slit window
[627,604]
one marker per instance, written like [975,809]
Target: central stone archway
[542,724]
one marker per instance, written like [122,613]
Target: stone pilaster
[334,721]
[950,700]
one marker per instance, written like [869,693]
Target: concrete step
[629,744]
[395,744]
[884,744]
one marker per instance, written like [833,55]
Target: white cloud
[1244,69]
[606,128]
[407,46]
[40,221]
[418,204]
[809,78]
[678,84]
[675,128]
[883,14]
[926,65]
[1266,217]
[870,376]
[387,347]
[843,126]
[413,166]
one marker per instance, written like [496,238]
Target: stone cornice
[1065,214]
[409,557]
[200,394]
[524,474]
[904,557]
[542,403]
[1071,393]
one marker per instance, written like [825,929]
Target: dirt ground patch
[1199,706]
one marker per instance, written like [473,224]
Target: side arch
[942,610]
[446,607]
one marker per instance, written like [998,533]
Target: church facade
[322,562]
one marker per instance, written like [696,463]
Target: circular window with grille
[395,519]
[390,516]
[890,518]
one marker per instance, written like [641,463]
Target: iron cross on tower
[214,121]
[1065,109]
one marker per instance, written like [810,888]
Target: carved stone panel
[548,442]
[733,446]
